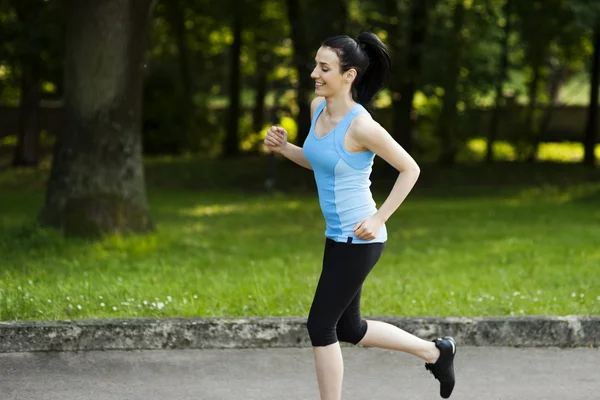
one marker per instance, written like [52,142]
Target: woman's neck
[338,107]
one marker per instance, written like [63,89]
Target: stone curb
[255,332]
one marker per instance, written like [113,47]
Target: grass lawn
[473,241]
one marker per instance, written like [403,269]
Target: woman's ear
[350,75]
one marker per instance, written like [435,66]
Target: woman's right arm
[276,140]
[296,154]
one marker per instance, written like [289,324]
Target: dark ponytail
[371,59]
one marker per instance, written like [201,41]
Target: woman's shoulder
[363,123]
[315,104]
[364,129]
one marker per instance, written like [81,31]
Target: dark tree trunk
[177,18]
[232,138]
[258,113]
[301,62]
[590,139]
[556,80]
[447,126]
[396,29]
[502,75]
[27,152]
[403,107]
[96,185]
[533,130]
[263,66]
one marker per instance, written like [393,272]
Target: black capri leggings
[335,311]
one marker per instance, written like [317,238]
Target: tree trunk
[447,127]
[396,18]
[29,13]
[27,152]
[530,124]
[404,111]
[502,75]
[258,113]
[590,139]
[232,139]
[177,20]
[96,185]
[556,80]
[301,62]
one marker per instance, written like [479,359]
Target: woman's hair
[371,59]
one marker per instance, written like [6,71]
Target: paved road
[483,373]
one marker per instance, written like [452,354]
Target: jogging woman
[340,149]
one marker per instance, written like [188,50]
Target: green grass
[563,152]
[475,240]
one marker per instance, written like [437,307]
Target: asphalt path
[268,374]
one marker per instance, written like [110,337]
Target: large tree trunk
[232,138]
[447,125]
[27,152]
[502,75]
[96,184]
[590,139]
[301,62]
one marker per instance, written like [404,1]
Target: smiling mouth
[319,84]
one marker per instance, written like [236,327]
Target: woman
[340,149]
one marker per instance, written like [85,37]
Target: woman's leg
[353,329]
[329,366]
[345,267]
[438,355]
[386,336]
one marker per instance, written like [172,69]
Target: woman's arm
[296,154]
[276,140]
[372,136]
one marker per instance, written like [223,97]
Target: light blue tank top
[342,179]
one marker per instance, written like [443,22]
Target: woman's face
[327,75]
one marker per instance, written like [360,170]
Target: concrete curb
[254,332]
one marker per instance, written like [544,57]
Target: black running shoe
[443,369]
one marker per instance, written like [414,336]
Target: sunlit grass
[512,250]
[566,152]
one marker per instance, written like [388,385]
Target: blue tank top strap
[347,120]
[318,111]
[355,160]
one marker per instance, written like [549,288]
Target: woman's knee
[351,332]
[321,331]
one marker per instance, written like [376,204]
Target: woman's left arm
[369,134]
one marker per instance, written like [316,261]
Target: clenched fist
[276,139]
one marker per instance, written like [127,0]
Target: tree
[175,11]
[501,78]
[232,135]
[587,17]
[448,121]
[540,24]
[301,62]
[590,138]
[96,184]
[30,30]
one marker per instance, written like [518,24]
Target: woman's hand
[368,228]
[276,139]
